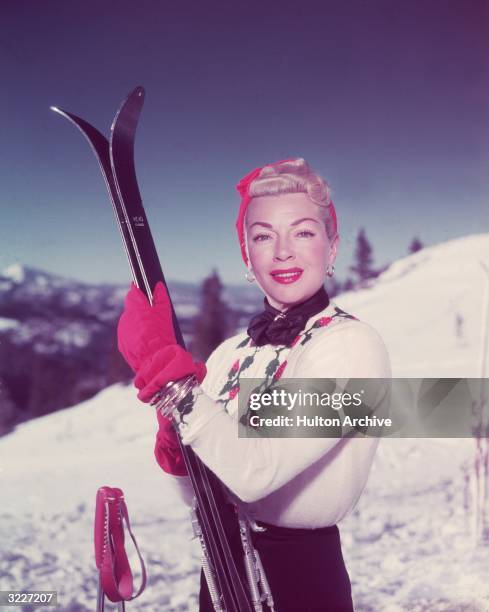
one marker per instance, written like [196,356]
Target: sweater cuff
[203,411]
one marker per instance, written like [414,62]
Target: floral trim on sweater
[275,368]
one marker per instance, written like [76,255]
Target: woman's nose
[283,250]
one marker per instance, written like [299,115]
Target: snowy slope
[414,305]
[50,470]
[408,545]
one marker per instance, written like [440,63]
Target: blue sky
[389,100]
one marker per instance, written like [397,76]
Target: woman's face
[288,247]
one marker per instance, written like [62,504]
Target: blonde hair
[296,176]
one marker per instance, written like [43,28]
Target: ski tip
[137,92]
[60,111]
[134,101]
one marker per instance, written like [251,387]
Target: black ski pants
[304,567]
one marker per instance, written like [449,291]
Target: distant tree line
[363,268]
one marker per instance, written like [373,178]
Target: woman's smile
[285,277]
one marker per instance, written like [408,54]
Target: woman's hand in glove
[167,448]
[147,342]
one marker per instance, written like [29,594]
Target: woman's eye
[260,237]
[305,234]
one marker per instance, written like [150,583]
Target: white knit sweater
[291,482]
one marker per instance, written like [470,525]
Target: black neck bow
[275,327]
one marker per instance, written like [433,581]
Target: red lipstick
[285,277]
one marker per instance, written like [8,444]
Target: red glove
[167,448]
[147,342]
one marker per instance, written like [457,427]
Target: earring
[330,270]
[250,277]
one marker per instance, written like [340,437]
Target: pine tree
[7,410]
[363,258]
[212,324]
[416,245]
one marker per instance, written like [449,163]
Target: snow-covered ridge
[31,283]
[448,254]
[14,272]
[430,308]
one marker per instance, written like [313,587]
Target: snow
[72,297]
[6,324]
[415,303]
[49,472]
[40,280]
[187,310]
[15,272]
[73,334]
[408,545]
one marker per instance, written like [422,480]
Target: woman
[297,488]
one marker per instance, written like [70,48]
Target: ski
[207,487]
[100,147]
[217,520]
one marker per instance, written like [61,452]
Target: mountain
[58,337]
